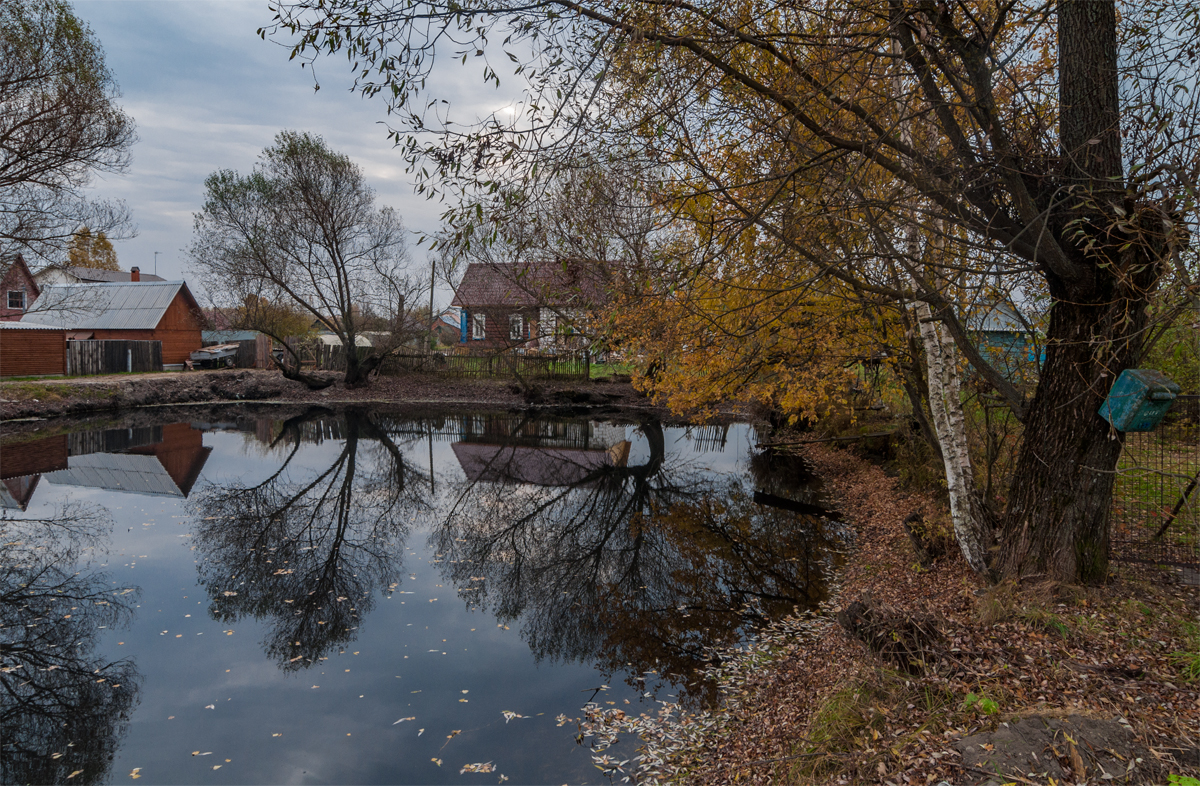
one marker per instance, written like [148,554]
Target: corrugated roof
[117,472]
[96,275]
[28,326]
[133,306]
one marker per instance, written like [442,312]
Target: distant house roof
[999,318]
[211,337]
[132,306]
[543,283]
[91,275]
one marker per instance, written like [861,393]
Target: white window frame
[478,326]
[516,327]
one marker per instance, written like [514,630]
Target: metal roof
[131,306]
[28,326]
[117,472]
[97,275]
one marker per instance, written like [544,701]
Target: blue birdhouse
[1138,400]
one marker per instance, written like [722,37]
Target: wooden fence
[572,365]
[561,366]
[86,358]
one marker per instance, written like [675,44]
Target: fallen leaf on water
[56,755]
[420,732]
[72,775]
[228,593]
[277,734]
[509,715]
[482,767]
[217,766]
[210,706]
[438,762]
[135,774]
[198,753]
[414,717]
[453,733]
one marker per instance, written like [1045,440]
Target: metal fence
[85,358]
[1156,505]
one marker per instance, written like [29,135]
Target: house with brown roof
[18,288]
[543,305]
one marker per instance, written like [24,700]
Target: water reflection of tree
[637,568]
[63,709]
[308,554]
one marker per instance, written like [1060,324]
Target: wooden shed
[32,350]
[136,311]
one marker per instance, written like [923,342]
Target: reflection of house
[156,460]
[140,311]
[505,449]
[539,466]
[536,305]
[18,287]
[23,465]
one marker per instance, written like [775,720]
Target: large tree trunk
[1056,523]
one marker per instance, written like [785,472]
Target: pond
[369,596]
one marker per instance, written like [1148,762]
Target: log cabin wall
[32,353]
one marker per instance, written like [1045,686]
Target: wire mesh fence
[1156,504]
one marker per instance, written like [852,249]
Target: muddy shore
[52,398]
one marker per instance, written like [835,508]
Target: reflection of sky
[343,730]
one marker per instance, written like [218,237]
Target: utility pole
[432,320]
[156,253]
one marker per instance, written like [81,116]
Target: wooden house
[18,288]
[162,311]
[541,306]
[1008,340]
[32,350]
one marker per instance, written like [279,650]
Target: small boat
[216,356]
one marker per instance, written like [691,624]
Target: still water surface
[371,597]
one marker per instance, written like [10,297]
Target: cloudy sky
[207,93]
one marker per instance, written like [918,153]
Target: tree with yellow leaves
[948,143]
[92,251]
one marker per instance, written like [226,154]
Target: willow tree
[303,229]
[1051,140]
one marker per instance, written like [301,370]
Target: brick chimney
[135,274]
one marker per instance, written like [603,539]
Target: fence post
[129,360]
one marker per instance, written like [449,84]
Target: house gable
[18,288]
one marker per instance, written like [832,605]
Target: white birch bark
[949,422]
